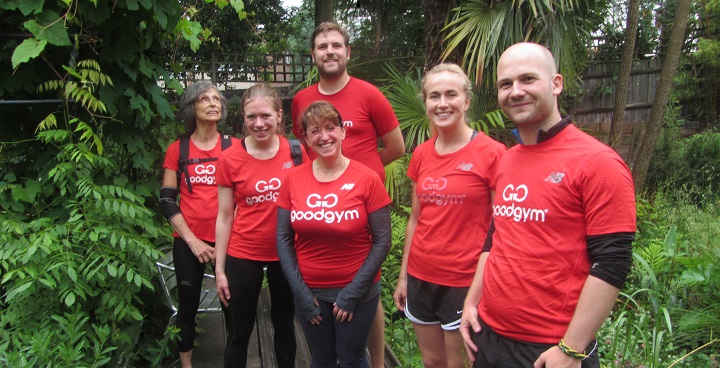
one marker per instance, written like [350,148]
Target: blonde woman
[249,179]
[453,183]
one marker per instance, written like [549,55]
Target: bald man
[560,246]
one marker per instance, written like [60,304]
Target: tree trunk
[657,112]
[324,11]
[621,88]
[435,14]
[381,20]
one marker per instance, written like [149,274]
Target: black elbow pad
[168,202]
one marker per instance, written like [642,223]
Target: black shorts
[430,304]
[497,351]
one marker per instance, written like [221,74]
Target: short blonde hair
[451,68]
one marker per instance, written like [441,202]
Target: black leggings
[189,272]
[340,344]
[245,282]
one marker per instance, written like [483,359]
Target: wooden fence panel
[596,106]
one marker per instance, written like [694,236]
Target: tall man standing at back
[564,223]
[367,117]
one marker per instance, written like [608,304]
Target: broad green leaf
[134,313]
[112,271]
[18,290]
[19,193]
[70,299]
[132,4]
[33,187]
[49,26]
[27,7]
[48,282]
[10,177]
[28,49]
[72,274]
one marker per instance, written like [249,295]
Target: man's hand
[555,358]
[470,321]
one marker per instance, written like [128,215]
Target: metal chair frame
[209,300]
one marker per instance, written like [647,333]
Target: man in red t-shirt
[367,118]
[560,246]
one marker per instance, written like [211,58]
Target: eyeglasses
[207,99]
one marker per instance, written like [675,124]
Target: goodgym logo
[329,201]
[510,193]
[321,210]
[267,191]
[434,184]
[516,195]
[204,174]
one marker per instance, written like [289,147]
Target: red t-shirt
[455,209]
[550,197]
[330,222]
[199,208]
[256,186]
[366,115]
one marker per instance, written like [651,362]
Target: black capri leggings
[340,344]
[245,282]
[189,272]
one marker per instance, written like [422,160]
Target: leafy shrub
[77,245]
[399,331]
[667,314]
[689,167]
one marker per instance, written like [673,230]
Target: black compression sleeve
[304,297]
[488,239]
[168,202]
[611,257]
[350,295]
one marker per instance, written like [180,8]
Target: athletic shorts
[430,304]
[497,351]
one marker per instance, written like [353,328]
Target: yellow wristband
[570,351]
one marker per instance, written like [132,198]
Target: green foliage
[399,332]
[79,177]
[483,30]
[668,315]
[397,184]
[404,94]
[691,165]
[71,271]
[612,31]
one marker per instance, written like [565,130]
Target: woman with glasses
[249,178]
[202,107]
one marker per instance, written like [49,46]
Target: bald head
[529,53]
[528,85]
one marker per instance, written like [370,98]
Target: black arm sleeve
[611,257]
[304,298]
[488,239]
[168,202]
[350,295]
